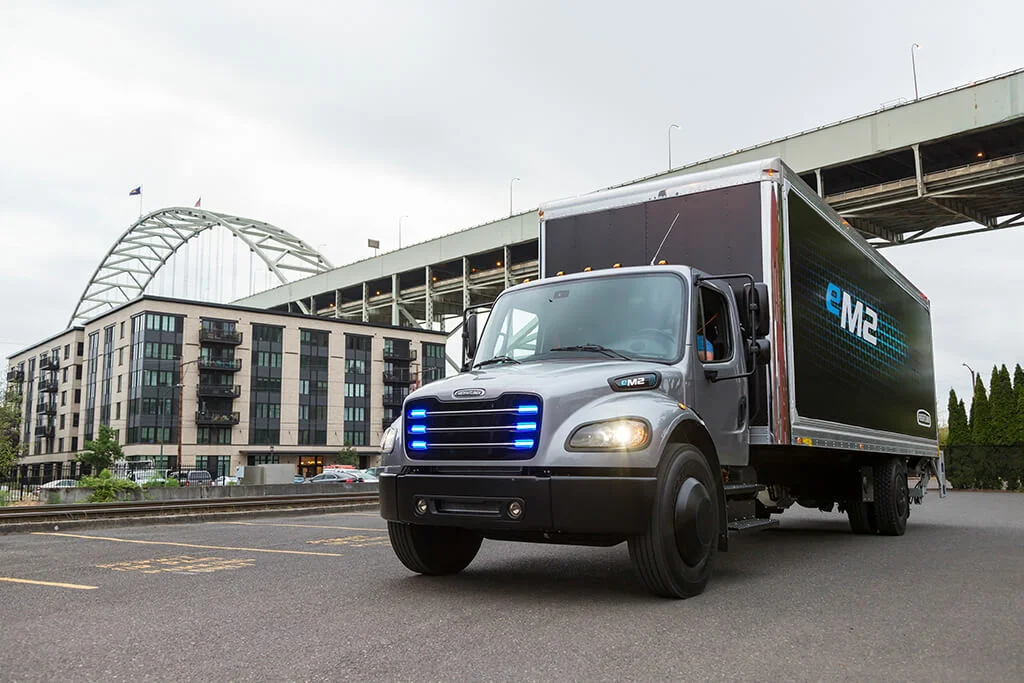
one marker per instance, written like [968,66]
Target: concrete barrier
[81,495]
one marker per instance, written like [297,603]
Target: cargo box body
[851,349]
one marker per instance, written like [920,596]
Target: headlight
[625,434]
[387,441]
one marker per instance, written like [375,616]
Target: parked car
[335,477]
[366,475]
[57,484]
[299,479]
[224,481]
[194,478]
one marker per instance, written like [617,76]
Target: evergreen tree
[980,420]
[1002,409]
[1018,392]
[959,430]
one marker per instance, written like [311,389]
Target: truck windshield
[636,316]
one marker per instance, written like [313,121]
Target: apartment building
[222,385]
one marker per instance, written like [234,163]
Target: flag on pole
[199,201]
[137,190]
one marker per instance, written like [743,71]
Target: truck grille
[503,428]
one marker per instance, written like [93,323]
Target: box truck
[700,353]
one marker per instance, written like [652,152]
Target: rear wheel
[673,558]
[433,550]
[892,497]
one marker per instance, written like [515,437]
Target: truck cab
[580,390]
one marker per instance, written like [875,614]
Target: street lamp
[972,374]
[511,182]
[400,231]
[913,64]
[674,125]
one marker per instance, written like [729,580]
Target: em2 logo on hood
[641,381]
[471,392]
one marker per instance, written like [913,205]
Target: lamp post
[510,184]
[972,375]
[674,125]
[400,231]
[913,64]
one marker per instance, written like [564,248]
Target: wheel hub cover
[694,521]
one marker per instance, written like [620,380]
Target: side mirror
[468,339]
[757,305]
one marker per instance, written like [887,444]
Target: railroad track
[17,519]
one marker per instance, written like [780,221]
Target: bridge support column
[465,282]
[918,173]
[395,319]
[366,303]
[337,303]
[506,264]
[428,291]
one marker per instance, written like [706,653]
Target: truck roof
[749,172]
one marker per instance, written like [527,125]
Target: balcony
[47,407]
[399,354]
[216,336]
[47,386]
[16,375]
[216,418]
[48,363]
[219,390]
[46,430]
[394,399]
[223,364]
[396,377]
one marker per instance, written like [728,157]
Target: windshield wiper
[596,348]
[497,359]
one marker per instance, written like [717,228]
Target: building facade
[223,385]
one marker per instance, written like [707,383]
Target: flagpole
[140,201]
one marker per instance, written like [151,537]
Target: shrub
[170,483]
[106,486]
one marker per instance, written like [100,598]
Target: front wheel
[433,550]
[673,558]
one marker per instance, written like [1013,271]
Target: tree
[959,429]
[10,428]
[980,419]
[101,452]
[348,456]
[1002,409]
[1018,392]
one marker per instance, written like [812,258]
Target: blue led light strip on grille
[418,413]
[529,409]
[419,445]
[526,426]
[417,429]
[523,443]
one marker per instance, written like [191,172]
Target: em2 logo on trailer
[854,316]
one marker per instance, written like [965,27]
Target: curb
[154,519]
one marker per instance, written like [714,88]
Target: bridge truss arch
[145,247]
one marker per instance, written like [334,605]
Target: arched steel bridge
[144,248]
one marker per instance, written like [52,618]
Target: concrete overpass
[898,175]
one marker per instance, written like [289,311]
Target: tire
[433,550]
[674,557]
[892,497]
[862,517]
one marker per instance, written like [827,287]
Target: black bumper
[557,504]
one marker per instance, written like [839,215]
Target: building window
[60,445]
[117,415]
[271,459]
[78,372]
[120,355]
[90,386]
[265,387]
[74,420]
[62,421]
[119,383]
[74,442]
[64,376]
[122,329]
[63,398]
[67,351]
[213,435]
[80,349]
[78,395]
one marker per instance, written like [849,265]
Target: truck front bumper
[557,504]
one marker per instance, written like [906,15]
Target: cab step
[743,490]
[744,525]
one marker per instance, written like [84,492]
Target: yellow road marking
[354,541]
[49,583]
[306,526]
[185,545]
[184,564]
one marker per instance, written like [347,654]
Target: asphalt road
[323,598]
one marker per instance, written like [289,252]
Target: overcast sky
[334,119]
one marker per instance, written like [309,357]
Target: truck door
[721,403]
